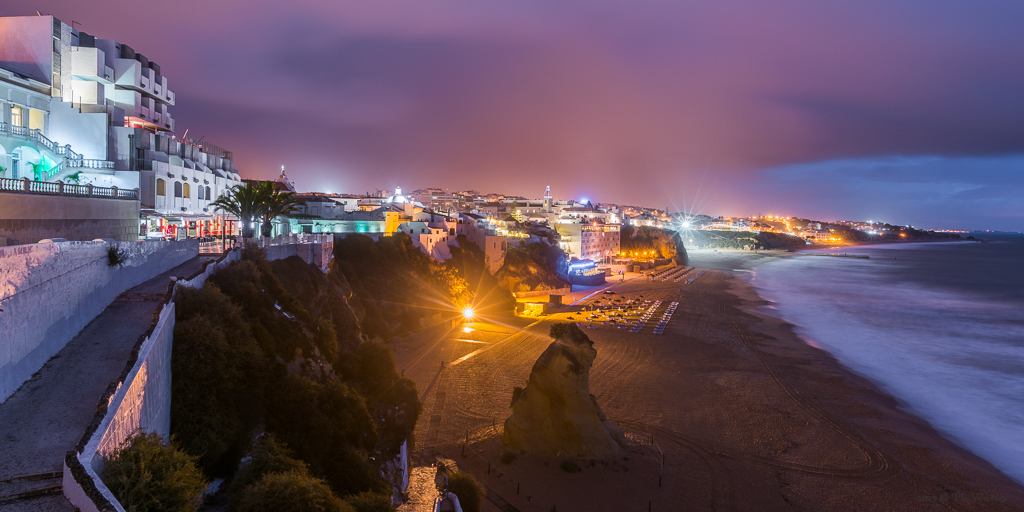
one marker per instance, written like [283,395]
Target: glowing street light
[468,313]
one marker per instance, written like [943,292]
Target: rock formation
[556,414]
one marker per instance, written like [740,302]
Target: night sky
[909,112]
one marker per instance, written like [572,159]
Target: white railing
[75,160]
[89,163]
[26,186]
[298,238]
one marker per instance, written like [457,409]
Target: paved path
[47,416]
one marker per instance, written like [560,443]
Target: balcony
[27,186]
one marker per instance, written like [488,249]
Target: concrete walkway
[47,416]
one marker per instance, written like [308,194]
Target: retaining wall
[29,218]
[556,291]
[50,292]
[141,399]
[318,254]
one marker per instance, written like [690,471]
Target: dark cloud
[654,102]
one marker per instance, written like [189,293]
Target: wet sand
[742,413]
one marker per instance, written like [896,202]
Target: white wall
[86,133]
[50,292]
[143,399]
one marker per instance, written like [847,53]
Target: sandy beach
[727,410]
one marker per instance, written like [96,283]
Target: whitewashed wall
[50,292]
[142,401]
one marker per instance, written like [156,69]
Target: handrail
[90,163]
[26,186]
[75,159]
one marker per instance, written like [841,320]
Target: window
[186,193]
[36,121]
[208,193]
[177,189]
[16,117]
[161,187]
[200,192]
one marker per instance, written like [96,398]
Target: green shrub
[370,502]
[292,491]
[469,491]
[328,427]
[266,456]
[219,374]
[146,475]
[116,257]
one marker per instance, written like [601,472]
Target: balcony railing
[26,186]
[74,160]
[89,163]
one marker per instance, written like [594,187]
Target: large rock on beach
[556,414]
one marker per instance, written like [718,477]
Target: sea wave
[954,358]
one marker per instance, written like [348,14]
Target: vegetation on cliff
[643,239]
[146,474]
[394,284]
[276,348]
[534,267]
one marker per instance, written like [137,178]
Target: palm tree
[246,202]
[277,203]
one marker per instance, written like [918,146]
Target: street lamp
[468,313]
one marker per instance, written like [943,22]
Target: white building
[107,123]
[431,240]
[589,241]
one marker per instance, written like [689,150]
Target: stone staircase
[26,487]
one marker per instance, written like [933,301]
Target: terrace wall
[50,292]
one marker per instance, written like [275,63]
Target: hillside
[642,239]
[535,267]
[284,349]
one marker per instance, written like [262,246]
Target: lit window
[161,187]
[16,117]
[186,191]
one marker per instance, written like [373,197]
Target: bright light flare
[468,313]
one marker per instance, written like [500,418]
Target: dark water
[938,325]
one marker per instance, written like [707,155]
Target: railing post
[88,189]
[113,192]
[60,187]
[25,185]
[136,190]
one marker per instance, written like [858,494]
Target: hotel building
[91,111]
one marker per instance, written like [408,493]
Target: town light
[467,313]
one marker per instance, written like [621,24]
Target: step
[30,486]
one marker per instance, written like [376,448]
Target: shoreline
[729,409]
[896,409]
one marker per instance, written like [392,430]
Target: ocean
[939,326]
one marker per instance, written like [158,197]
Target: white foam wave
[957,360]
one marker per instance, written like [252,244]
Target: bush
[266,456]
[569,466]
[145,474]
[116,257]
[370,502]
[469,491]
[328,427]
[219,373]
[292,491]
